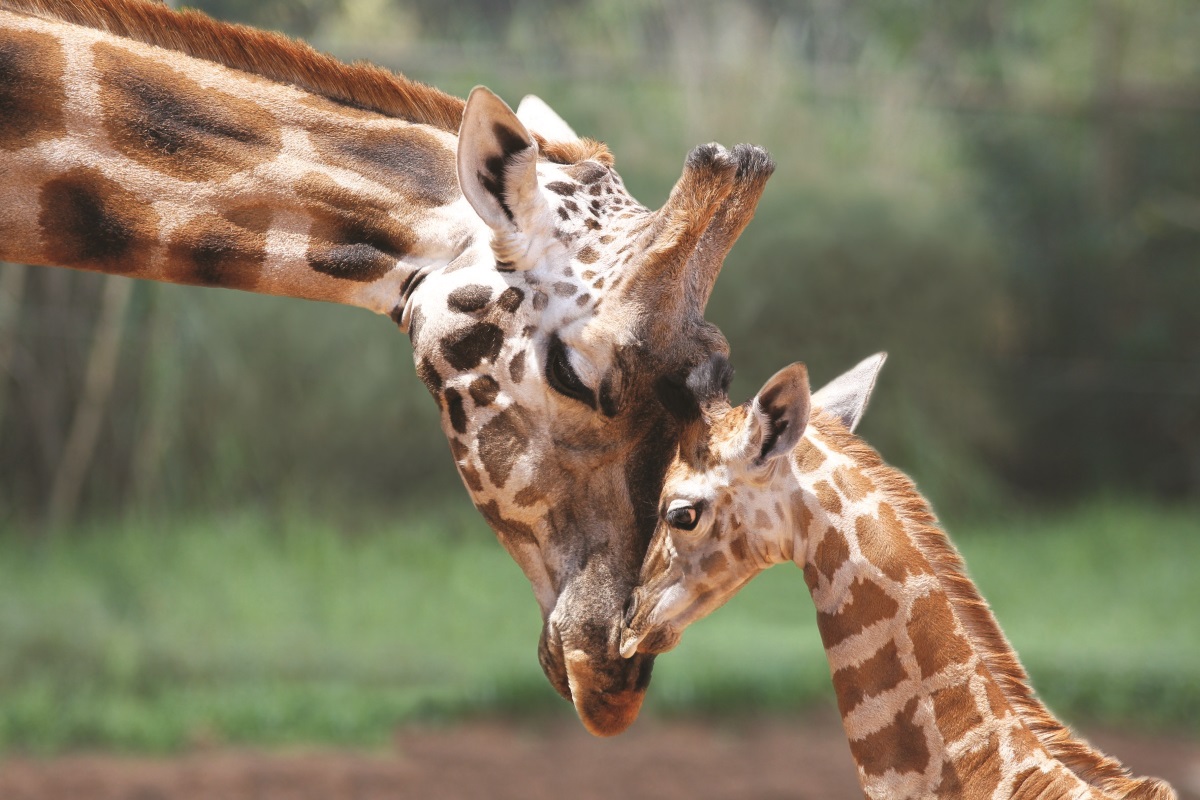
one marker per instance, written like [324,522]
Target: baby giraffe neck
[924,714]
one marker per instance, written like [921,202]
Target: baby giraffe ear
[779,413]
[497,168]
[847,395]
[542,120]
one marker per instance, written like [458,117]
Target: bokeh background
[234,519]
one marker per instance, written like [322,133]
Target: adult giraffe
[552,317]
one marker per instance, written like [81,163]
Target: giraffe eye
[683,515]
[561,375]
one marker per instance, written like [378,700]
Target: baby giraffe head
[732,497]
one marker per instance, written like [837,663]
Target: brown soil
[496,760]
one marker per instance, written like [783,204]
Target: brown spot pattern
[871,678]
[413,162]
[714,564]
[469,298]
[828,497]
[955,711]
[510,299]
[91,222]
[868,604]
[454,407]
[468,346]
[832,551]
[516,367]
[976,774]
[173,125]
[500,443]
[511,532]
[484,390]
[808,456]
[213,250]
[31,89]
[853,483]
[886,544]
[898,746]
[350,237]
[931,628]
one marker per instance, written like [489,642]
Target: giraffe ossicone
[933,700]
[553,318]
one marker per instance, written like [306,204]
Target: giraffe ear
[779,414]
[847,395]
[497,165]
[542,120]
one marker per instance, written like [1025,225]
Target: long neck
[124,157]
[923,676]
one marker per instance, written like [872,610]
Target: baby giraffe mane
[1091,766]
[281,59]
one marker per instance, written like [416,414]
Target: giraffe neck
[926,706]
[129,158]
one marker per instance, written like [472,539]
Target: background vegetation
[235,516]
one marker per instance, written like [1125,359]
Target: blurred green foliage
[1005,196]
[251,628]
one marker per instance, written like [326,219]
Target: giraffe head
[729,502]
[558,348]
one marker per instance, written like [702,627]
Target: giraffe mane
[281,59]
[972,610]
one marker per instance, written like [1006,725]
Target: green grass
[153,636]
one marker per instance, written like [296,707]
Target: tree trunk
[101,372]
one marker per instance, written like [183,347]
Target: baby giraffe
[932,696]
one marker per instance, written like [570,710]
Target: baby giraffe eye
[683,515]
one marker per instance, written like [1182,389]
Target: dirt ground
[757,759]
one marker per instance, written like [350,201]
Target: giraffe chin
[603,709]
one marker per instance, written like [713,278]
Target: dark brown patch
[91,222]
[564,289]
[528,496]
[975,774]
[828,497]
[871,678]
[500,443]
[484,390]
[415,323]
[583,300]
[412,162]
[31,89]
[510,299]
[516,367]
[458,449]
[955,711]
[832,552]
[996,699]
[714,564]
[351,237]
[899,745]
[586,171]
[468,346]
[470,477]
[540,300]
[510,532]
[429,376]
[738,548]
[853,483]
[868,603]
[454,407]
[808,456]
[931,628]
[588,255]
[212,250]
[885,543]
[561,188]
[166,121]
[761,520]
[469,298]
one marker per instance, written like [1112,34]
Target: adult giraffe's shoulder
[553,318]
[933,698]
